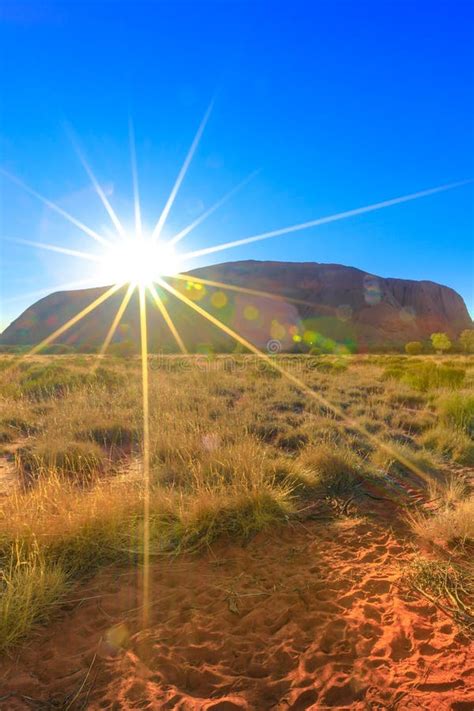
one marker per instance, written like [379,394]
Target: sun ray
[162,219]
[116,321]
[179,236]
[52,206]
[47,291]
[323,220]
[97,187]
[136,194]
[146,455]
[164,312]
[244,290]
[351,422]
[55,248]
[72,321]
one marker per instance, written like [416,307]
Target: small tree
[466,340]
[441,342]
[413,348]
[123,349]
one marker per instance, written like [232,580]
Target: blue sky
[337,104]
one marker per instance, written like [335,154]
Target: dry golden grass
[233,449]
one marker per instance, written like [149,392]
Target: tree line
[442,343]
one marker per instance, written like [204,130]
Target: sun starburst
[142,259]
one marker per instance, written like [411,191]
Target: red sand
[310,616]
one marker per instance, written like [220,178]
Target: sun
[139,260]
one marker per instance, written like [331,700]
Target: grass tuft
[457,410]
[450,442]
[81,463]
[451,524]
[30,588]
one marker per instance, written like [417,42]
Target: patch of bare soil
[309,616]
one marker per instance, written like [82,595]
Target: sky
[328,106]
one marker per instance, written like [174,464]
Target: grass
[80,462]
[451,524]
[457,410]
[451,442]
[425,375]
[336,471]
[30,590]
[447,585]
[232,451]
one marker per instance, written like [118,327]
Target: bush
[328,366]
[457,410]
[413,348]
[466,340]
[124,349]
[58,349]
[441,342]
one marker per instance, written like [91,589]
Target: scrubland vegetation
[234,448]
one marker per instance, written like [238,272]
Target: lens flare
[139,261]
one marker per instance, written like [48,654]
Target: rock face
[304,305]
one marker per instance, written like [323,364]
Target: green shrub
[457,410]
[441,342]
[413,348]
[466,340]
[327,366]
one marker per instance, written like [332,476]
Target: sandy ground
[313,615]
